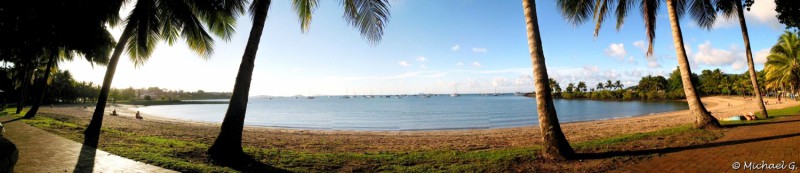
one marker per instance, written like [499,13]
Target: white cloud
[479,50]
[460,64]
[760,57]
[616,50]
[423,66]
[421,59]
[498,81]
[404,63]
[708,55]
[763,11]
[476,64]
[723,22]
[640,44]
[455,48]
[523,80]
[632,60]
[652,62]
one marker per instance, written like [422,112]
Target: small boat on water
[455,95]
[311,97]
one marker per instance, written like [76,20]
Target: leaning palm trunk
[751,68]
[93,130]
[227,148]
[555,145]
[24,91]
[703,119]
[42,87]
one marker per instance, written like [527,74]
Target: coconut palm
[600,86]
[151,21]
[609,85]
[39,35]
[618,84]
[783,63]
[729,9]
[554,143]
[369,16]
[701,11]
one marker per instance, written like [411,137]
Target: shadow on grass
[246,163]
[759,123]
[677,149]
[12,120]
[86,158]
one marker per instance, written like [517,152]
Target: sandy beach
[369,141]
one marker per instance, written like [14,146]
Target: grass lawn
[773,114]
[190,156]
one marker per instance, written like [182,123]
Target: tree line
[711,82]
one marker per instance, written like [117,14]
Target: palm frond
[143,22]
[219,15]
[649,13]
[622,11]
[180,17]
[727,7]
[703,13]
[600,12]
[369,16]
[304,8]
[576,11]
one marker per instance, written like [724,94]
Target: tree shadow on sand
[610,154]
[87,155]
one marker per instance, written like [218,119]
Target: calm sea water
[410,113]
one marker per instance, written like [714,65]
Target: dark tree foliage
[788,12]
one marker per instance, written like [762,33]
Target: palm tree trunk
[555,145]
[42,87]
[752,69]
[703,119]
[93,130]
[24,91]
[227,148]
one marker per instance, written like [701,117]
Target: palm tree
[701,11]
[783,63]
[600,86]
[555,144]
[609,85]
[618,84]
[151,21]
[35,34]
[729,8]
[369,16]
[581,86]
[570,86]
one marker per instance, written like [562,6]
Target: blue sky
[466,46]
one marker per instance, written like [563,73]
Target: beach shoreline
[363,141]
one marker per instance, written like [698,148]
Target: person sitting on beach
[138,116]
[750,116]
[114,112]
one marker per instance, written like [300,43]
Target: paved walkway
[40,151]
[762,144]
